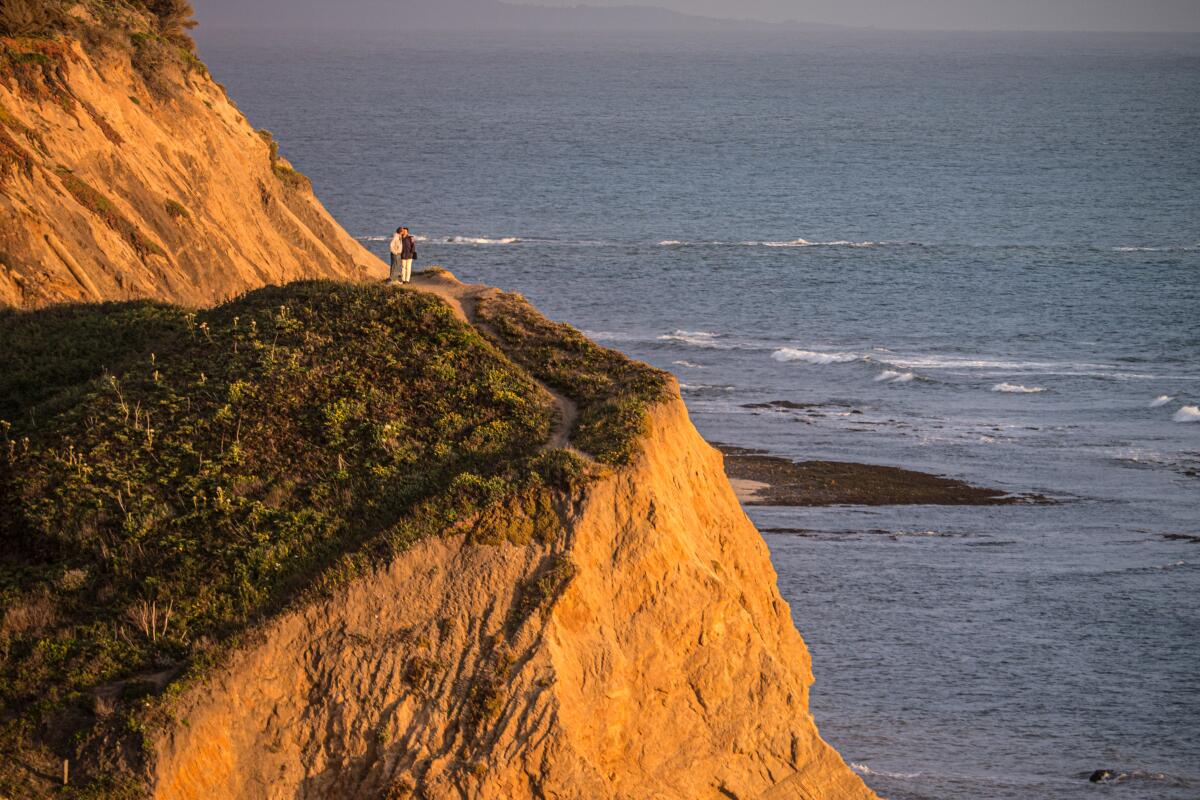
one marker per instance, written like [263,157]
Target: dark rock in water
[1101,776]
[775,481]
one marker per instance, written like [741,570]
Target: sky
[1041,15]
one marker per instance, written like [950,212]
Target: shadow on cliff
[47,352]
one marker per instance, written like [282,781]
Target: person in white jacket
[403,250]
[397,250]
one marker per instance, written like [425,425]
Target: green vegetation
[37,67]
[176,210]
[614,393]
[31,17]
[537,591]
[34,57]
[169,478]
[104,208]
[286,174]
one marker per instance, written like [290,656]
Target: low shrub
[31,17]
[613,392]
[176,211]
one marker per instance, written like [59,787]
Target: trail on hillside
[463,299]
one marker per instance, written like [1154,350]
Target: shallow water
[988,245]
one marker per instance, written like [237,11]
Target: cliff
[126,172]
[665,666]
[333,539]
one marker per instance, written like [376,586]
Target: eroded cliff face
[123,180]
[646,654]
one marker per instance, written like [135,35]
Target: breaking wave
[787,354]
[863,769]
[892,376]
[768,243]
[1016,388]
[1160,401]
[1187,414]
[694,338]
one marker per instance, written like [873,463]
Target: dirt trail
[463,299]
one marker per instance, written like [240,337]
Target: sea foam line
[1017,388]
[786,354]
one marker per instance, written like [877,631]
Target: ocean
[989,245]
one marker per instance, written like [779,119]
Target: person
[403,250]
[396,248]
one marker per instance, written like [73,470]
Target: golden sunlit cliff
[126,172]
[330,538]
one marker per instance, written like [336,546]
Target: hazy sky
[1078,15]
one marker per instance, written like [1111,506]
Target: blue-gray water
[988,245]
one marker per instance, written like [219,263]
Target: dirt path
[463,299]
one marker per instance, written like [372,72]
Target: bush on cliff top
[168,477]
[613,392]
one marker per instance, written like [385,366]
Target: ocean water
[989,245]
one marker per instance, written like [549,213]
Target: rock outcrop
[647,654]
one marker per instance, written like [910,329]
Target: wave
[1160,401]
[863,769]
[706,387]
[478,240]
[892,376]
[688,365]
[1187,414]
[706,339]
[787,354]
[1179,248]
[769,243]
[1016,388]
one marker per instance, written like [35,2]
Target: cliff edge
[330,538]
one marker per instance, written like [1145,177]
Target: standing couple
[404,250]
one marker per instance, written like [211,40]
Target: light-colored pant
[401,269]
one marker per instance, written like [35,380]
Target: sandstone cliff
[664,664]
[126,172]
[330,540]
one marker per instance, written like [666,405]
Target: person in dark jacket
[403,250]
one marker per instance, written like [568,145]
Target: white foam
[813,357]
[806,243]
[688,364]
[863,769]
[1184,248]
[701,387]
[1160,401]
[892,376]
[1187,414]
[613,336]
[1016,388]
[479,240]
[694,338]
[766,243]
